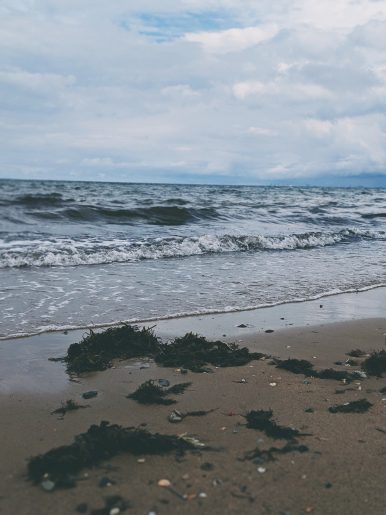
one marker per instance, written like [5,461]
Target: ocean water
[75,254]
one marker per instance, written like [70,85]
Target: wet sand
[343,472]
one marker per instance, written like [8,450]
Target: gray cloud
[192,89]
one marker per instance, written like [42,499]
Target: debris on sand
[375,365]
[306,368]
[62,464]
[194,352]
[151,393]
[90,394]
[262,420]
[97,350]
[178,416]
[259,456]
[360,406]
[67,406]
[357,353]
[114,505]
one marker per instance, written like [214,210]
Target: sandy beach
[342,471]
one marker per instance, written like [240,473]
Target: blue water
[82,254]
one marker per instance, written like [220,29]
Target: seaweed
[97,350]
[98,444]
[357,353]
[360,406]
[194,352]
[67,406]
[261,420]
[261,456]
[304,367]
[150,393]
[296,366]
[375,364]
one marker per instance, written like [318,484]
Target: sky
[224,91]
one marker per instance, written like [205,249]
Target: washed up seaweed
[375,364]
[195,353]
[97,350]
[306,368]
[357,353]
[262,420]
[99,443]
[151,393]
[360,406]
[67,406]
[259,456]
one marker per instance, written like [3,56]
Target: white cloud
[232,40]
[262,89]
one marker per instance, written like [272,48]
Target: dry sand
[343,472]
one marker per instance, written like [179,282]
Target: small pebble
[90,394]
[272,384]
[261,470]
[202,495]
[115,511]
[48,485]
[163,382]
[165,483]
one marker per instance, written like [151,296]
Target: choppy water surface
[78,254]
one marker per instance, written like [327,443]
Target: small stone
[272,384]
[164,382]
[104,482]
[202,495]
[175,417]
[328,485]
[141,460]
[48,485]
[185,477]
[82,508]
[261,470]
[144,365]
[184,371]
[90,394]
[269,331]
[242,326]
[207,466]
[165,483]
[115,511]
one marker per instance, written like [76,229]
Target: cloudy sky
[192,90]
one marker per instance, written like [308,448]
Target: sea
[88,254]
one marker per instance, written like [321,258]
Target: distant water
[81,254]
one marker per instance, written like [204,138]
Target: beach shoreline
[340,473]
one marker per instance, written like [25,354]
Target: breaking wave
[69,252]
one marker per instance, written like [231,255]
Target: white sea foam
[71,252]
[230,309]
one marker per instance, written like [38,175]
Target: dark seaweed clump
[67,406]
[375,365]
[304,367]
[97,350]
[150,393]
[262,456]
[360,406]
[195,352]
[357,353]
[96,445]
[262,420]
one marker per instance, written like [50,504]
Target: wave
[155,215]
[68,252]
[202,312]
